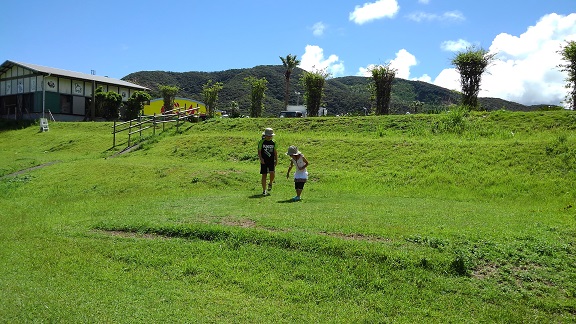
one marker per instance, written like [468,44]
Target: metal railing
[144,122]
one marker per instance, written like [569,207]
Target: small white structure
[43,124]
[301,108]
[293,111]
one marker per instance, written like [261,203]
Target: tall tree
[258,88]
[382,77]
[100,97]
[234,109]
[135,104]
[313,84]
[471,64]
[568,53]
[168,94]
[210,96]
[107,104]
[290,62]
[416,106]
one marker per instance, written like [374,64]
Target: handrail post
[140,127]
[129,132]
[114,135]
[154,124]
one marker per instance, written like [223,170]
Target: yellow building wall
[180,104]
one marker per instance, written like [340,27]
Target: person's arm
[305,163]
[260,152]
[289,169]
[275,157]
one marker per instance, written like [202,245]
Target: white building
[29,91]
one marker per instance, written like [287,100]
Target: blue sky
[417,37]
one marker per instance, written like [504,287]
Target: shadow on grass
[258,196]
[289,200]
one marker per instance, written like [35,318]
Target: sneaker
[264,193]
[270,186]
[296,198]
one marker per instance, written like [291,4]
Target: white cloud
[447,16]
[455,46]
[318,29]
[449,79]
[402,63]
[375,10]
[552,27]
[424,1]
[313,59]
[365,71]
[423,78]
[453,15]
[526,70]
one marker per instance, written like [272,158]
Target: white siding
[77,88]
[51,84]
[65,86]
[125,94]
[88,89]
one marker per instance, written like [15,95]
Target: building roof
[70,74]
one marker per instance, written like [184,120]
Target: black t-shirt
[267,147]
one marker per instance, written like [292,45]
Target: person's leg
[271,170]
[264,173]
[298,186]
[272,175]
[299,189]
[264,182]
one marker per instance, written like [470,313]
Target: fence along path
[144,122]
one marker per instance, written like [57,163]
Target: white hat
[293,150]
[268,132]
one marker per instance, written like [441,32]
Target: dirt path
[29,169]
[126,150]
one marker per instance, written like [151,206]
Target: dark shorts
[299,183]
[267,168]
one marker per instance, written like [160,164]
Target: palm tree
[289,62]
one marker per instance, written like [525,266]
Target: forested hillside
[344,95]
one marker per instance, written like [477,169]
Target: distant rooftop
[70,74]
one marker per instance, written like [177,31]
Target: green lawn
[421,218]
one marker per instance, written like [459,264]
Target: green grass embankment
[435,218]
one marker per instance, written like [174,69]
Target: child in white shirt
[301,175]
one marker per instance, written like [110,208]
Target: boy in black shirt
[268,158]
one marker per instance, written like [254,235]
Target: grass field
[422,218]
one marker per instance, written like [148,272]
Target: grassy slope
[406,218]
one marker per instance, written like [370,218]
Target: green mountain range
[343,95]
